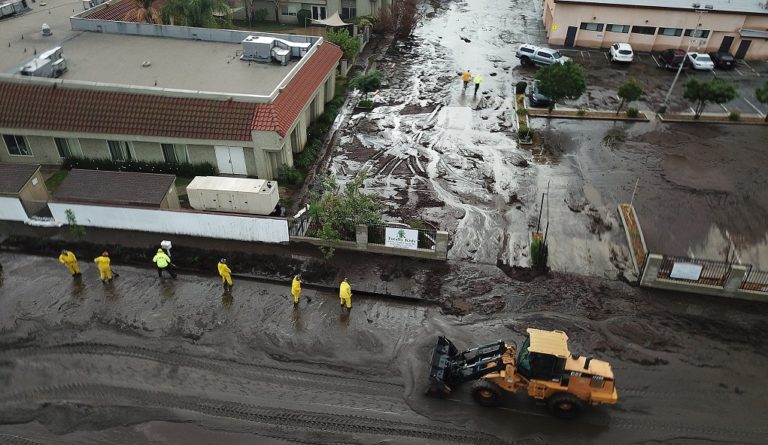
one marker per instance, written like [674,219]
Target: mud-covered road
[177,362]
[444,157]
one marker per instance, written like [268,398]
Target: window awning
[753,33]
[333,21]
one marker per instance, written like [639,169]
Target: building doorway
[743,48]
[570,36]
[230,160]
[725,46]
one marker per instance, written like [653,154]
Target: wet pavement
[446,158]
[147,361]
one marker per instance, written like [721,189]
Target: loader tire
[565,405]
[486,393]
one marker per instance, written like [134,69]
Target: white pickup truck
[538,54]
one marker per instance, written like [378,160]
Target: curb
[629,239]
[725,121]
[595,118]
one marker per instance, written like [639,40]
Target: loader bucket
[440,368]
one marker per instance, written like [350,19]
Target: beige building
[164,93]
[737,26]
[321,9]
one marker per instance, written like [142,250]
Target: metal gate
[570,36]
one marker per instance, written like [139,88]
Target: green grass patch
[182,181]
[53,183]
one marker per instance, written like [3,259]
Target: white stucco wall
[179,222]
[11,209]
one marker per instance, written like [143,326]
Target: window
[524,49]
[68,147]
[592,26]
[618,28]
[348,13]
[120,151]
[597,381]
[545,55]
[17,145]
[649,30]
[175,153]
[289,9]
[670,32]
[700,33]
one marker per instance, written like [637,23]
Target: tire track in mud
[347,383]
[275,417]
[11,439]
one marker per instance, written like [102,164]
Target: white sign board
[401,238]
[686,271]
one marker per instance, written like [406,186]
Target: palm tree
[196,13]
[143,12]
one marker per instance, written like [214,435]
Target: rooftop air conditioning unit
[696,5]
[258,48]
[282,55]
[709,7]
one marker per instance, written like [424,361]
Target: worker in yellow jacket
[105,269]
[226,274]
[296,288]
[466,77]
[345,294]
[68,259]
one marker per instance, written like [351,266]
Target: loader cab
[543,355]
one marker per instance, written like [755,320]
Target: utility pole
[695,34]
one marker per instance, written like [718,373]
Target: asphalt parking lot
[604,78]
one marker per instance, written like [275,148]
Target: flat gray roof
[117,58]
[745,6]
[14,176]
[174,63]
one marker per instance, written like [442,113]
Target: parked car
[537,54]
[621,52]
[671,59]
[723,60]
[700,61]
[536,99]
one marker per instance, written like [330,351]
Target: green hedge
[181,169]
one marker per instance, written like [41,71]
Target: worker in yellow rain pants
[226,274]
[105,270]
[345,294]
[69,261]
[296,289]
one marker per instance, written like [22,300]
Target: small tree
[716,91]
[762,96]
[561,81]
[75,229]
[341,38]
[337,212]
[367,83]
[629,91]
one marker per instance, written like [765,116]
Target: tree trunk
[621,104]
[766,117]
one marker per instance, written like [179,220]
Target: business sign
[401,238]
[686,271]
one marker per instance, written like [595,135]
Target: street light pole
[663,108]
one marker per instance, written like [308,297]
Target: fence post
[651,271]
[735,278]
[361,236]
[441,245]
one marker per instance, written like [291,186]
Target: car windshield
[625,51]
[556,55]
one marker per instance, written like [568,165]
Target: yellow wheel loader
[543,367]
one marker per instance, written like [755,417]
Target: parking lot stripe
[658,65]
[750,67]
[692,110]
[753,106]
[723,107]
[606,56]
[737,70]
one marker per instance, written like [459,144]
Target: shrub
[303,16]
[581,112]
[520,87]
[734,116]
[289,175]
[181,169]
[367,103]
[524,133]
[522,111]
[633,112]
[261,14]
[308,156]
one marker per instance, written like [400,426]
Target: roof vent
[586,362]
[709,7]
[696,5]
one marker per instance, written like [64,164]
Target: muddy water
[177,362]
[447,157]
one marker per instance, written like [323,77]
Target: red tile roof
[92,111]
[116,11]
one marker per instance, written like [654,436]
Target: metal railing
[755,280]
[713,273]
[426,240]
